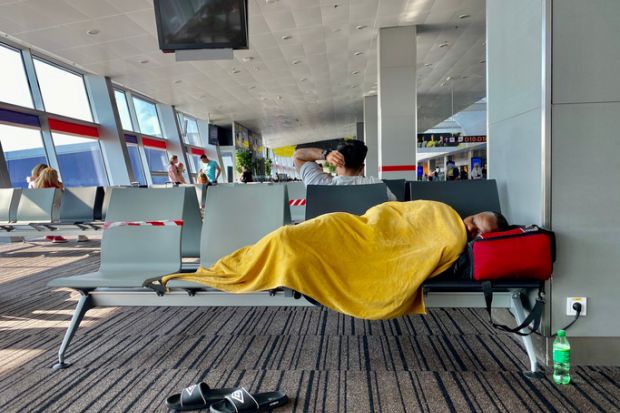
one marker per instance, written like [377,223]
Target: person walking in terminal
[211,169]
[370,266]
[348,158]
[174,174]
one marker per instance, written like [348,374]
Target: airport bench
[255,211]
[49,211]
[467,198]
[127,253]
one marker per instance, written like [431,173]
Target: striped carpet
[130,359]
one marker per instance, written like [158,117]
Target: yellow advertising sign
[286,151]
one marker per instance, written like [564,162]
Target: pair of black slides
[201,396]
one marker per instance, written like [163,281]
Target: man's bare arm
[303,155]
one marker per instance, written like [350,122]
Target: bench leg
[84,304]
[517,308]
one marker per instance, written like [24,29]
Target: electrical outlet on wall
[571,300]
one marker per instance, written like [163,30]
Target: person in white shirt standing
[348,159]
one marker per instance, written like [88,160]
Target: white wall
[586,164]
[370,135]
[514,106]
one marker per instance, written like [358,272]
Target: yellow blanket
[368,266]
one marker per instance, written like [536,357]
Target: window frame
[20,51]
[51,62]
[84,137]
[127,104]
[138,96]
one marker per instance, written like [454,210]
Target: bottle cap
[561,333]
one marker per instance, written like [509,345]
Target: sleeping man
[369,266]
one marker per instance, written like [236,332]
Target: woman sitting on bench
[369,266]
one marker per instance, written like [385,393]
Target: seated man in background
[348,159]
[370,266]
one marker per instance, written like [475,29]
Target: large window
[63,91]
[147,117]
[189,128]
[23,149]
[80,160]
[136,163]
[123,110]
[13,83]
[194,162]
[157,159]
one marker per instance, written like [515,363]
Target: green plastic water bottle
[561,359]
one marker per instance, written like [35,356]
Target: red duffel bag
[524,252]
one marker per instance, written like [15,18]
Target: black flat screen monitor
[213,135]
[201,24]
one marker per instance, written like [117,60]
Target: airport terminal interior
[309,206]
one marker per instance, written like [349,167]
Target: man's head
[204,158]
[354,153]
[484,222]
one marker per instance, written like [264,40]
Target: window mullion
[48,143]
[31,75]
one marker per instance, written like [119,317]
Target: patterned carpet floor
[131,359]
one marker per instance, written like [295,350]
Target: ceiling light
[303,79]
[444,44]
[353,86]
[178,81]
[483,61]
[248,58]
[428,64]
[92,32]
[358,53]
[361,27]
[271,1]
[145,61]
[279,97]
[296,62]
[336,30]
[464,16]
[355,72]
[235,71]
[286,37]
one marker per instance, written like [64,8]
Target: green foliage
[268,164]
[244,159]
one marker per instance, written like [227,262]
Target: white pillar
[112,139]
[397,108]
[370,135]
[515,106]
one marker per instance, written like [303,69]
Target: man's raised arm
[303,155]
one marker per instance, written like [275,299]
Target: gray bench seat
[100,279]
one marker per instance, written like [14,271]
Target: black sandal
[196,397]
[241,401]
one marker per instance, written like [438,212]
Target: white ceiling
[317,98]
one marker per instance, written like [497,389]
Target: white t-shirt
[312,174]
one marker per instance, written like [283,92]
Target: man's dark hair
[203,156]
[354,153]
[502,222]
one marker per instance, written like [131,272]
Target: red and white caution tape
[297,202]
[166,223]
